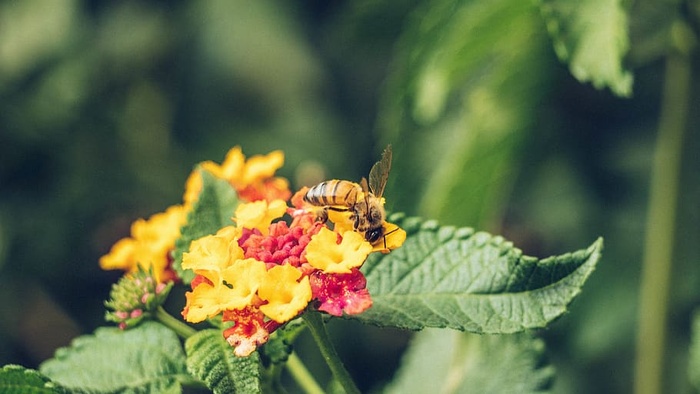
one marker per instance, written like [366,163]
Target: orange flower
[253,179]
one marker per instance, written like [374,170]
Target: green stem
[302,375]
[180,328]
[318,331]
[660,226]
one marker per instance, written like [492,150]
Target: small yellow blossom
[211,253]
[259,214]
[229,232]
[120,256]
[341,221]
[324,253]
[231,288]
[232,166]
[193,186]
[150,243]
[394,236]
[259,167]
[284,295]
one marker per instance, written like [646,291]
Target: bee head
[372,235]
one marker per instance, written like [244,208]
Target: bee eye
[373,235]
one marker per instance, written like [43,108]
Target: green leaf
[470,281]
[278,348]
[592,36]
[465,88]
[20,380]
[211,359]
[213,210]
[694,359]
[148,358]
[470,363]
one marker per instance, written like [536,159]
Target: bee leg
[322,215]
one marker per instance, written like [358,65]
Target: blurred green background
[105,107]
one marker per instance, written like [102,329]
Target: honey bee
[362,201]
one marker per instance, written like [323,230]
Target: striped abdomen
[334,192]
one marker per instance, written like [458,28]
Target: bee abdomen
[333,192]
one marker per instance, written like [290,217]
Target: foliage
[148,358]
[456,278]
[209,358]
[471,362]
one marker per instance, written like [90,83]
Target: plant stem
[302,375]
[318,331]
[660,226]
[180,328]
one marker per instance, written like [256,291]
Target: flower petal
[259,214]
[394,237]
[284,295]
[338,293]
[325,253]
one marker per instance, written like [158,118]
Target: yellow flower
[120,256]
[324,253]
[232,166]
[193,186]
[394,236]
[232,287]
[229,232]
[150,244]
[259,214]
[341,221]
[211,253]
[231,282]
[284,295]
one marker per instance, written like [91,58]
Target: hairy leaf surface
[210,358]
[15,379]
[144,359]
[470,281]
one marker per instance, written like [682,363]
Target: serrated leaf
[20,380]
[464,90]
[213,210]
[470,363]
[592,37]
[210,358]
[148,358]
[694,358]
[470,281]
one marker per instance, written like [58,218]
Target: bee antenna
[389,233]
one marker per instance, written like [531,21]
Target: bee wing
[363,185]
[379,173]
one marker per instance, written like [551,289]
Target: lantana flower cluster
[273,262]
[152,240]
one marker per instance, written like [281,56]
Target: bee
[363,201]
